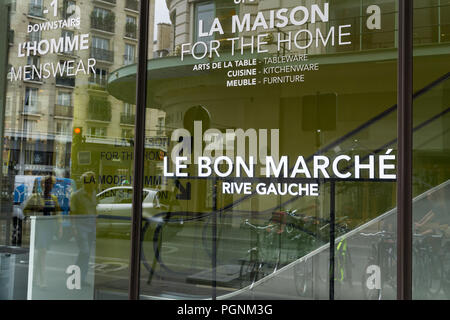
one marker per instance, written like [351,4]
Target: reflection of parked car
[115,205]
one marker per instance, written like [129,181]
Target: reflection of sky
[161,14]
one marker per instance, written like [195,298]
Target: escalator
[291,259]
[363,242]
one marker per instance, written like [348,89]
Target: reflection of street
[184,257]
[182,262]
[179,275]
[108,266]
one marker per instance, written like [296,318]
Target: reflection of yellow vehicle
[114,208]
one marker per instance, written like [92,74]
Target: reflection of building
[41,112]
[345,108]
[356,67]
[164,41]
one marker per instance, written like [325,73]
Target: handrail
[340,140]
[381,115]
[345,137]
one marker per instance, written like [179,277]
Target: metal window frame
[139,144]
[404,153]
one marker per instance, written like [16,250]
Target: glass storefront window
[269,160]
[66,149]
[430,247]
[250,83]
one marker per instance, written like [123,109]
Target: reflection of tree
[105,22]
[130,29]
[99,108]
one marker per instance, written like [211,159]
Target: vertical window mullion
[404,153]
[139,143]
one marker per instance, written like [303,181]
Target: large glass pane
[431,251]
[67,149]
[299,83]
